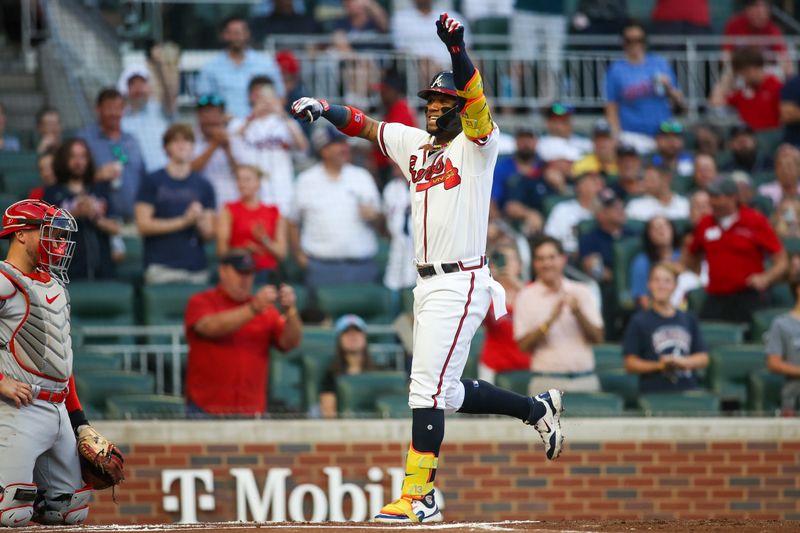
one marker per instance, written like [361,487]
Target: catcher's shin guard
[420,469]
[16,504]
[67,509]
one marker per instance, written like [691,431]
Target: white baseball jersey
[400,272]
[450,190]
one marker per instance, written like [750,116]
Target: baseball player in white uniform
[40,471]
[449,169]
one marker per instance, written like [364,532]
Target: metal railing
[162,350]
[577,79]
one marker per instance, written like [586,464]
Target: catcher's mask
[56,227]
[443,83]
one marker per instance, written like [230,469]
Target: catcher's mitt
[101,461]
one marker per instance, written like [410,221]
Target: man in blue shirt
[116,154]
[228,73]
[175,214]
[640,89]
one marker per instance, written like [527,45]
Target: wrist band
[356,123]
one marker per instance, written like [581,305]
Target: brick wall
[498,480]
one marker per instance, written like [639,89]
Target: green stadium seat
[382,257]
[370,301]
[103,303]
[769,140]
[474,357]
[763,204]
[719,333]
[19,182]
[357,393]
[608,358]
[762,177]
[792,245]
[95,386]
[407,298]
[625,251]
[301,295]
[764,391]
[166,304]
[491,26]
[689,403]
[290,270]
[393,406]
[318,341]
[6,200]
[780,295]
[592,404]
[87,362]
[25,161]
[314,367]
[131,268]
[516,380]
[285,382]
[145,406]
[695,299]
[621,383]
[730,368]
[762,319]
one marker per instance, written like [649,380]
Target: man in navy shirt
[175,214]
[790,111]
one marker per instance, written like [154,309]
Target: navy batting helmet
[442,83]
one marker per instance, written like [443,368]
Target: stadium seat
[792,245]
[317,341]
[764,391]
[730,368]
[719,333]
[608,358]
[313,368]
[103,303]
[131,268]
[624,252]
[393,406]
[95,386]
[407,299]
[357,393]
[621,383]
[549,202]
[593,404]
[491,26]
[695,300]
[780,295]
[370,301]
[87,362]
[689,403]
[762,204]
[285,382]
[6,200]
[19,161]
[762,319]
[516,380]
[473,359]
[145,406]
[19,182]
[769,140]
[290,270]
[382,257]
[166,304]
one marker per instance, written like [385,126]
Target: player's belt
[426,271]
[53,396]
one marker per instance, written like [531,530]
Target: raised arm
[349,120]
[476,120]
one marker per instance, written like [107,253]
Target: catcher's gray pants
[38,445]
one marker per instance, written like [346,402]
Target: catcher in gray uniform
[50,457]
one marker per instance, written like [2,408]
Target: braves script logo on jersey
[440,171]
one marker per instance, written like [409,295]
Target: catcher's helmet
[56,227]
[443,83]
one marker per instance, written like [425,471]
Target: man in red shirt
[758,102]
[230,332]
[735,240]
[754,22]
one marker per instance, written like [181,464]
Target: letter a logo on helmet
[442,83]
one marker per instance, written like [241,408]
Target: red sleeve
[72,401]
[733,98]
[196,308]
[775,31]
[730,30]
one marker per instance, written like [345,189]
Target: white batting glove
[308,109]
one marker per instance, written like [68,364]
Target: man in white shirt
[401,270]
[213,156]
[265,139]
[336,206]
[411,33]
[558,122]
[562,224]
[659,200]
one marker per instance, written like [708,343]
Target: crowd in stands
[617,228]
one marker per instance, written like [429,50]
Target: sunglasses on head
[671,127]
[210,99]
[560,109]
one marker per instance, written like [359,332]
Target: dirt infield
[566,526]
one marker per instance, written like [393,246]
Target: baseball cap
[557,148]
[626,149]
[740,129]
[138,70]
[325,135]
[608,198]
[241,260]
[740,177]
[601,127]
[346,322]
[210,100]
[723,186]
[287,62]
[558,109]
[670,126]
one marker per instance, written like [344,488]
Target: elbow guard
[475,116]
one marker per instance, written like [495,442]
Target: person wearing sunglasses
[641,90]
[670,151]
[558,123]
[213,156]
